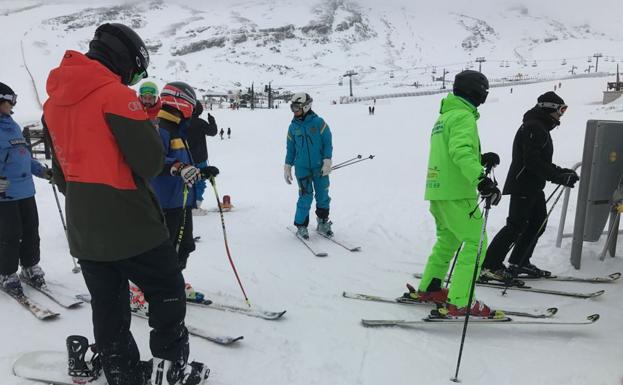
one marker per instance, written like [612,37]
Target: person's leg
[29,253]
[187,244]
[200,185]
[446,245]
[157,274]
[323,201]
[110,305]
[306,190]
[536,216]
[10,234]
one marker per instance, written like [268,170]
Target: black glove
[489,160]
[211,119]
[47,174]
[489,190]
[566,178]
[209,172]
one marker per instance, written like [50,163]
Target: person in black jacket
[197,132]
[531,167]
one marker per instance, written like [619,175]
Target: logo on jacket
[17,141]
[135,105]
[313,130]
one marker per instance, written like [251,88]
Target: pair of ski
[52,291]
[538,314]
[546,291]
[316,250]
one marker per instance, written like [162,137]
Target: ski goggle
[137,77]
[11,98]
[560,108]
[296,107]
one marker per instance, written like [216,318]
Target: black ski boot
[528,270]
[79,369]
[178,373]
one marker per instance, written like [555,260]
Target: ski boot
[479,309]
[81,370]
[324,227]
[195,296]
[178,373]
[528,270]
[502,275]
[138,304]
[11,284]
[34,275]
[434,294]
[301,232]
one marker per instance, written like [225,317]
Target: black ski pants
[526,215]
[19,234]
[157,274]
[174,219]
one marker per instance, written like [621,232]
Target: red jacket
[152,112]
[105,151]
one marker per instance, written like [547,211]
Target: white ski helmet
[301,101]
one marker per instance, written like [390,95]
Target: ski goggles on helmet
[11,98]
[137,77]
[560,108]
[296,107]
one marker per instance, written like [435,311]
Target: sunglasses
[11,98]
[560,108]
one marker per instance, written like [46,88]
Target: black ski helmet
[120,49]
[471,85]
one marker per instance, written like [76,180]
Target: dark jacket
[197,132]
[533,149]
[170,189]
[105,151]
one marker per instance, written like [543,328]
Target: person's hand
[326,167]
[489,190]
[489,160]
[211,119]
[287,173]
[566,178]
[189,173]
[209,172]
[4,184]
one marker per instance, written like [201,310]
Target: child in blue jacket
[309,150]
[19,220]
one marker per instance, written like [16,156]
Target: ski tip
[356,249]
[593,317]
[323,254]
[614,276]
[597,293]
[552,310]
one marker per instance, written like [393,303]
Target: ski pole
[347,161]
[231,262]
[180,234]
[456,256]
[76,268]
[472,287]
[534,240]
[351,163]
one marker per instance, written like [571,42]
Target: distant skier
[197,133]
[115,224]
[373,109]
[531,167]
[369,110]
[175,185]
[148,95]
[222,133]
[309,150]
[228,132]
[455,176]
[19,220]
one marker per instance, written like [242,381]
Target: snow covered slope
[377,204]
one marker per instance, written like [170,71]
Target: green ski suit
[454,170]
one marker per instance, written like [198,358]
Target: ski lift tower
[350,74]
[614,90]
[480,60]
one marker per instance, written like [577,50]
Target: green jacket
[454,161]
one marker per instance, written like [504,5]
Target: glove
[326,167]
[489,190]
[489,160]
[567,179]
[287,173]
[4,184]
[189,174]
[209,172]
[211,119]
[47,174]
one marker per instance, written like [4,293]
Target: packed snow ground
[379,205]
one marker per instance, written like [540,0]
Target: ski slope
[378,205]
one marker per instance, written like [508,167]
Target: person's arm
[290,148]
[460,146]
[136,137]
[327,141]
[57,172]
[534,140]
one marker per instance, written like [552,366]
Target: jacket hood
[453,102]
[537,113]
[76,77]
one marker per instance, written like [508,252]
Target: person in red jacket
[148,95]
[105,151]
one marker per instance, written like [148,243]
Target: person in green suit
[456,175]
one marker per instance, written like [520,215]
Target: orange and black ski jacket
[105,151]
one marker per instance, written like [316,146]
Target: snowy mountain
[377,204]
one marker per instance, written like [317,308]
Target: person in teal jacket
[309,150]
[455,177]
